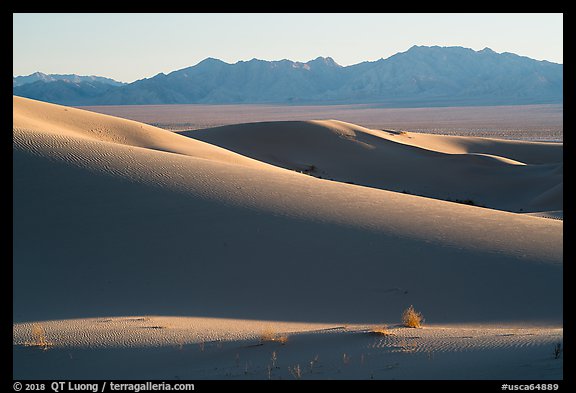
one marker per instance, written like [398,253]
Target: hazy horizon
[143,45]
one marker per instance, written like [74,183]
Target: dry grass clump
[39,338]
[412,318]
[557,350]
[296,371]
[271,336]
[383,331]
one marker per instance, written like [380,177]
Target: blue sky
[128,47]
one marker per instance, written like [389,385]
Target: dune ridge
[75,124]
[504,175]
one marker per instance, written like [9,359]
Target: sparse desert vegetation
[469,202]
[269,335]
[296,371]
[411,318]
[383,331]
[349,353]
[39,338]
[557,350]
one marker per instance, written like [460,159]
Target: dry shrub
[412,318]
[270,335]
[296,371]
[557,350]
[39,337]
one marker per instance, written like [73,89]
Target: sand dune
[61,122]
[506,175]
[112,218]
[525,152]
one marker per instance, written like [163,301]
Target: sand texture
[319,224]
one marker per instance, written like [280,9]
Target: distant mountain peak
[324,60]
[419,48]
[40,76]
[210,61]
[438,48]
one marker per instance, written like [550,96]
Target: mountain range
[72,78]
[421,76]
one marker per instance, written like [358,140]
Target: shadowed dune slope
[129,222]
[505,175]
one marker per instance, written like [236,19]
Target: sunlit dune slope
[522,151]
[63,123]
[129,222]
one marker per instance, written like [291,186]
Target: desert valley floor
[278,249]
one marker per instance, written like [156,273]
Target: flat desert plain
[281,249]
[518,122]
